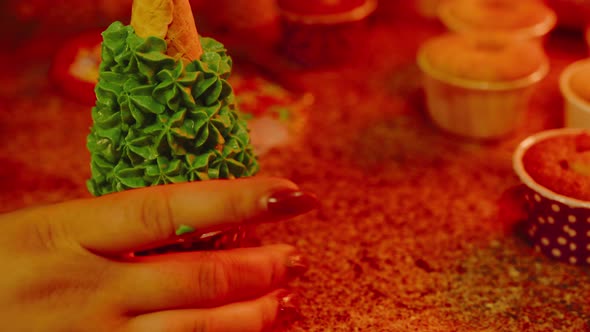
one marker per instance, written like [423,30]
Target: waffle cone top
[171,20]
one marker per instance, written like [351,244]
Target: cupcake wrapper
[576,116]
[475,113]
[577,110]
[558,230]
[312,45]
[325,40]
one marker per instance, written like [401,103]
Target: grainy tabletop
[408,236]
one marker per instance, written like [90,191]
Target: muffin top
[459,56]
[496,14]
[580,82]
[561,164]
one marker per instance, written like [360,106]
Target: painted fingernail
[292,202]
[288,309]
[297,265]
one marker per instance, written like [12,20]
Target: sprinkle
[184,229]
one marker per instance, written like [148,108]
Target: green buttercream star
[165,171]
[174,87]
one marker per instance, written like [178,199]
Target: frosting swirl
[160,120]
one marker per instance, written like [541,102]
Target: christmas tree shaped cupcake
[164,111]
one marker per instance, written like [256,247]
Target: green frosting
[159,120]
[184,229]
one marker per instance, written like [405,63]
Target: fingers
[250,316]
[138,219]
[207,279]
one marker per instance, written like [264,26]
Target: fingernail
[291,202]
[288,309]
[297,265]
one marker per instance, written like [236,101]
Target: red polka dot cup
[557,225]
[324,33]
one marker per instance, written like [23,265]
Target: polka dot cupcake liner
[558,230]
[558,226]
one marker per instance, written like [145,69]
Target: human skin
[66,267]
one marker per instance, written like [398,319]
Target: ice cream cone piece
[171,20]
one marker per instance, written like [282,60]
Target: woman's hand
[63,268]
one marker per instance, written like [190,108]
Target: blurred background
[24,19]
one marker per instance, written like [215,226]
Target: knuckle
[155,214]
[235,207]
[268,314]
[200,325]
[214,279]
[48,234]
[45,235]
[276,272]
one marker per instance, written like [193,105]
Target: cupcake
[276,116]
[74,69]
[498,20]
[479,90]
[572,14]
[165,112]
[574,84]
[324,32]
[554,166]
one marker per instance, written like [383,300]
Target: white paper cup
[477,109]
[577,109]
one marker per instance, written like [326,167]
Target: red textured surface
[408,236]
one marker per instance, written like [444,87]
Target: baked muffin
[561,164]
[479,90]
[453,55]
[554,167]
[523,19]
